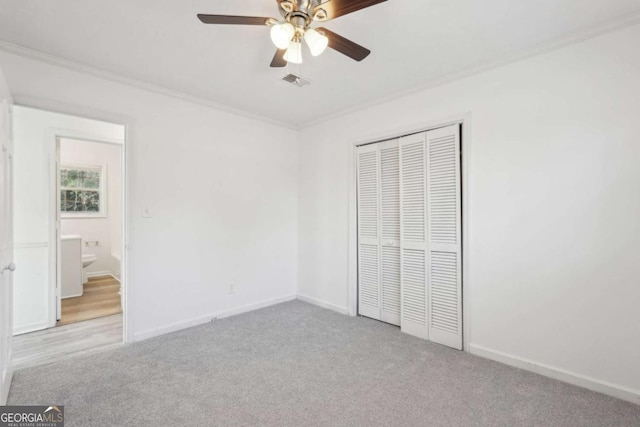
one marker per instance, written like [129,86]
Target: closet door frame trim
[464,120]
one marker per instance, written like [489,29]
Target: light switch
[146,212]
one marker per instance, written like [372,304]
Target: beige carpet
[298,365]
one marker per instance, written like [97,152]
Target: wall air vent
[296,80]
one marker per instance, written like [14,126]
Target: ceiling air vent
[296,80]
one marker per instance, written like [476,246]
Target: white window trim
[102,213]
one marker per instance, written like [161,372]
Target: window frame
[102,190]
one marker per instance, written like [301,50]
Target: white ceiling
[413,43]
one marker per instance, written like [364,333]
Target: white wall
[221,188]
[105,230]
[554,196]
[34,136]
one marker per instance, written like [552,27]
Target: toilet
[74,265]
[87,260]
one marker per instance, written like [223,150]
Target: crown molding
[556,44]
[78,67]
[570,39]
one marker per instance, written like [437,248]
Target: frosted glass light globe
[281,34]
[294,53]
[317,42]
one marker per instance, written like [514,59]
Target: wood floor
[100,298]
[55,344]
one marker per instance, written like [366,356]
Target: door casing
[83,112]
[6,245]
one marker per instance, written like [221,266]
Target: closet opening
[409,233]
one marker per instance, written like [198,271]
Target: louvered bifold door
[413,236]
[390,231]
[444,257]
[368,231]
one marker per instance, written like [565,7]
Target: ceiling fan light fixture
[294,53]
[281,34]
[294,24]
[316,41]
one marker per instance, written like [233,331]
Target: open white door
[6,241]
[58,228]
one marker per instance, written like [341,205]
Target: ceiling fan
[298,15]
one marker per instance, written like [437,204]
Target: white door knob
[11,267]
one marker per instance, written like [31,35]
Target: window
[82,191]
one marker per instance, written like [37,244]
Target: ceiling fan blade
[345,46]
[336,8]
[233,20]
[278,59]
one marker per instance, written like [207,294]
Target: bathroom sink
[88,259]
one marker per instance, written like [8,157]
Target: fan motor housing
[300,8]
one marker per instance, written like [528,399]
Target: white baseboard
[593,384]
[323,304]
[4,387]
[174,327]
[254,306]
[71,296]
[102,273]
[99,273]
[32,327]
